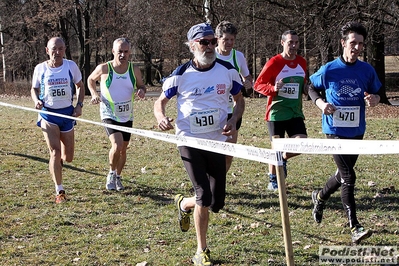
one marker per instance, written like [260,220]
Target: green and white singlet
[117,95]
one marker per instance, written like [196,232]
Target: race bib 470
[346,116]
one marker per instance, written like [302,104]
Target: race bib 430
[205,121]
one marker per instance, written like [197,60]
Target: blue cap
[198,31]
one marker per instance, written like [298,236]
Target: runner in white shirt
[120,81]
[226,33]
[54,84]
[202,87]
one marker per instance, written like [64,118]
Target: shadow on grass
[379,209]
[388,202]
[39,159]
[158,195]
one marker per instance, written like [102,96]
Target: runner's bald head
[55,40]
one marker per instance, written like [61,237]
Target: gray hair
[122,40]
[188,43]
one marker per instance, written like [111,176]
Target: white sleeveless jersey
[57,85]
[202,98]
[237,59]
[117,95]
[239,62]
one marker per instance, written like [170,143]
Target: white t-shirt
[202,98]
[57,85]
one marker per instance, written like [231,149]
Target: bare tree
[2,54]
[157,30]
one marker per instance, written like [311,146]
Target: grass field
[97,227]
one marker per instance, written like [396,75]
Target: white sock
[181,205]
[112,172]
[58,188]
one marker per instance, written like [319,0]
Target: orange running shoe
[60,197]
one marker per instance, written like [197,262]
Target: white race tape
[336,146]
[292,145]
[236,150]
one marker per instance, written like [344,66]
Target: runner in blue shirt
[350,85]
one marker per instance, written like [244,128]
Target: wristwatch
[79,103]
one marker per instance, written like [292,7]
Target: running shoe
[203,258]
[118,183]
[60,197]
[318,207]
[208,253]
[184,216]
[272,183]
[110,185]
[358,233]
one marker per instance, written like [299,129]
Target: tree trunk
[3,73]
[86,71]
[376,58]
[148,74]
[65,36]
[80,33]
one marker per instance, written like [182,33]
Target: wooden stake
[289,253]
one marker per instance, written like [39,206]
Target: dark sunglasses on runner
[206,42]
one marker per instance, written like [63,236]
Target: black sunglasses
[206,42]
